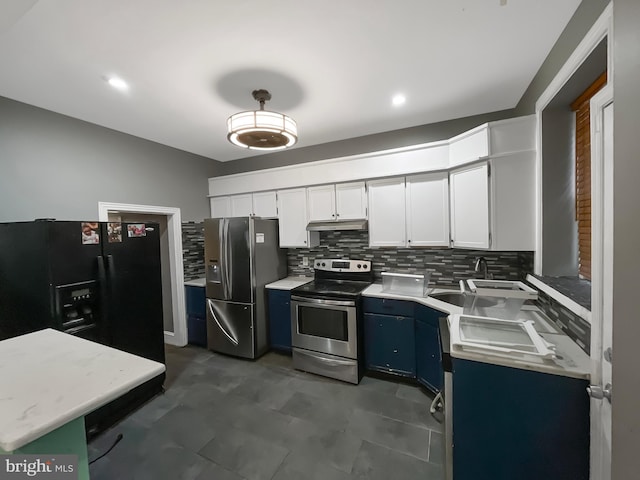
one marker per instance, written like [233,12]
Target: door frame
[601,291]
[601,29]
[174,233]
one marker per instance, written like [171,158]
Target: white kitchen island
[50,380]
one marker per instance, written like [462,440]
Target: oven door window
[322,322]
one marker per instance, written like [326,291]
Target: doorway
[169,220]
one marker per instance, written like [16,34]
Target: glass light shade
[262,130]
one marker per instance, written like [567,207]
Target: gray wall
[370,143]
[559,226]
[626,261]
[582,20]
[55,166]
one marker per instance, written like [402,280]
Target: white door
[470,206]
[427,206]
[387,226]
[241,205]
[292,212]
[220,207]
[265,205]
[322,203]
[601,281]
[351,201]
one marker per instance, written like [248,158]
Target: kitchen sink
[462,300]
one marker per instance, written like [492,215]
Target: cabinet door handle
[395,351]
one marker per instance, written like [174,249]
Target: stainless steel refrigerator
[242,255]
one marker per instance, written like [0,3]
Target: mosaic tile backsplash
[573,325]
[193,249]
[447,266]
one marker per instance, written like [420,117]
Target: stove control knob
[323,264]
[317,264]
[364,266]
[359,266]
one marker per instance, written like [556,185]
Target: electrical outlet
[305,261]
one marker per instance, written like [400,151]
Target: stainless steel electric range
[326,319]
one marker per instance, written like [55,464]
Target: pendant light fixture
[262,129]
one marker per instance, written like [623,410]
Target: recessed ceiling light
[118,83]
[398,100]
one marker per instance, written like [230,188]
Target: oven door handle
[321,301]
[329,361]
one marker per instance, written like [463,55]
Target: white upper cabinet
[409,212]
[387,227]
[470,206]
[293,219]
[322,203]
[265,205]
[343,201]
[493,204]
[260,204]
[241,205]
[220,207]
[427,210]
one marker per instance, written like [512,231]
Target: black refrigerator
[97,280]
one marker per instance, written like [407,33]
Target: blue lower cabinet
[197,330]
[428,356]
[428,351]
[196,315]
[511,423]
[280,320]
[390,344]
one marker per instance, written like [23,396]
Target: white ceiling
[332,65]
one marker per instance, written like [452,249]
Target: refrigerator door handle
[232,338]
[222,226]
[111,266]
[104,314]
[226,245]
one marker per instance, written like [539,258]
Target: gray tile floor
[229,419]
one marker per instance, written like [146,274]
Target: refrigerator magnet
[259,237]
[90,235]
[136,230]
[114,232]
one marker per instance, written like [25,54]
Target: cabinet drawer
[388,306]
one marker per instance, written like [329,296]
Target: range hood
[331,226]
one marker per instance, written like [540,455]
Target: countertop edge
[375,291]
[288,283]
[521,365]
[18,441]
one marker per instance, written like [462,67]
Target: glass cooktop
[333,288]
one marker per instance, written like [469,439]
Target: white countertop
[197,282]
[289,283]
[572,361]
[375,290]
[48,378]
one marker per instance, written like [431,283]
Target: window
[583,174]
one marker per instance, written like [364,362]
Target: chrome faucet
[481,262]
